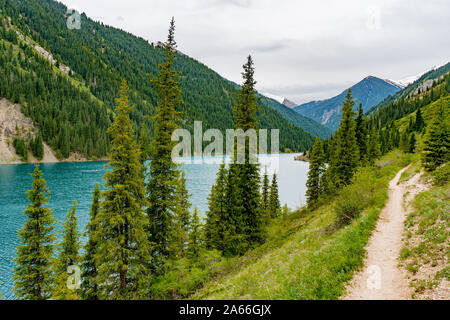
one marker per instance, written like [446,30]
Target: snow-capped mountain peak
[288,103]
[408,80]
[274,97]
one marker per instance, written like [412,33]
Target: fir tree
[411,125]
[274,200]
[361,134]
[419,123]
[373,150]
[123,248]
[346,153]
[215,216]
[405,141]
[68,256]
[181,220]
[195,236]
[37,147]
[163,183]
[234,238]
[265,190]
[245,208]
[315,173]
[412,143]
[437,141]
[33,273]
[89,289]
[144,144]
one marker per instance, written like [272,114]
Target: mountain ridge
[369,91]
[99,56]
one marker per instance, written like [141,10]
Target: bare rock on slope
[11,119]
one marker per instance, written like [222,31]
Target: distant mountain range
[369,91]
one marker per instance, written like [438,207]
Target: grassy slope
[426,249]
[428,112]
[301,259]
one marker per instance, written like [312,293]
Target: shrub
[441,175]
[357,196]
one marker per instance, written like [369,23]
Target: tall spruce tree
[404,141]
[361,134]
[373,149]
[163,180]
[274,200]
[419,123]
[89,289]
[217,211]
[412,143]
[265,190]
[144,144]
[33,273]
[436,150]
[123,251]
[346,148]
[246,209]
[68,256]
[315,173]
[195,236]
[181,221]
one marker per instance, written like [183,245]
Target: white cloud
[299,47]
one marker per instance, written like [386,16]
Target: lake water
[75,181]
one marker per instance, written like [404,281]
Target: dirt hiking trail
[381,278]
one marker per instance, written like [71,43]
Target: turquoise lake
[76,180]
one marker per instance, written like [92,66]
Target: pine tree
[144,144]
[163,183]
[437,141]
[405,141]
[37,147]
[246,209]
[361,134]
[265,190]
[33,272]
[327,183]
[412,143]
[68,256]
[411,125]
[181,221]
[215,216]
[234,238]
[346,153]
[420,123]
[195,236]
[373,150]
[274,200]
[123,248]
[89,272]
[315,173]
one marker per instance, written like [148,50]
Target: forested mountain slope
[429,88]
[77,106]
[421,84]
[369,91]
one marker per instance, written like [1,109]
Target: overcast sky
[303,50]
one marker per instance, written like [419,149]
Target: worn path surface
[381,278]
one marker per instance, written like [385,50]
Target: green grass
[305,257]
[412,170]
[427,240]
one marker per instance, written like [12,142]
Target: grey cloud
[302,49]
